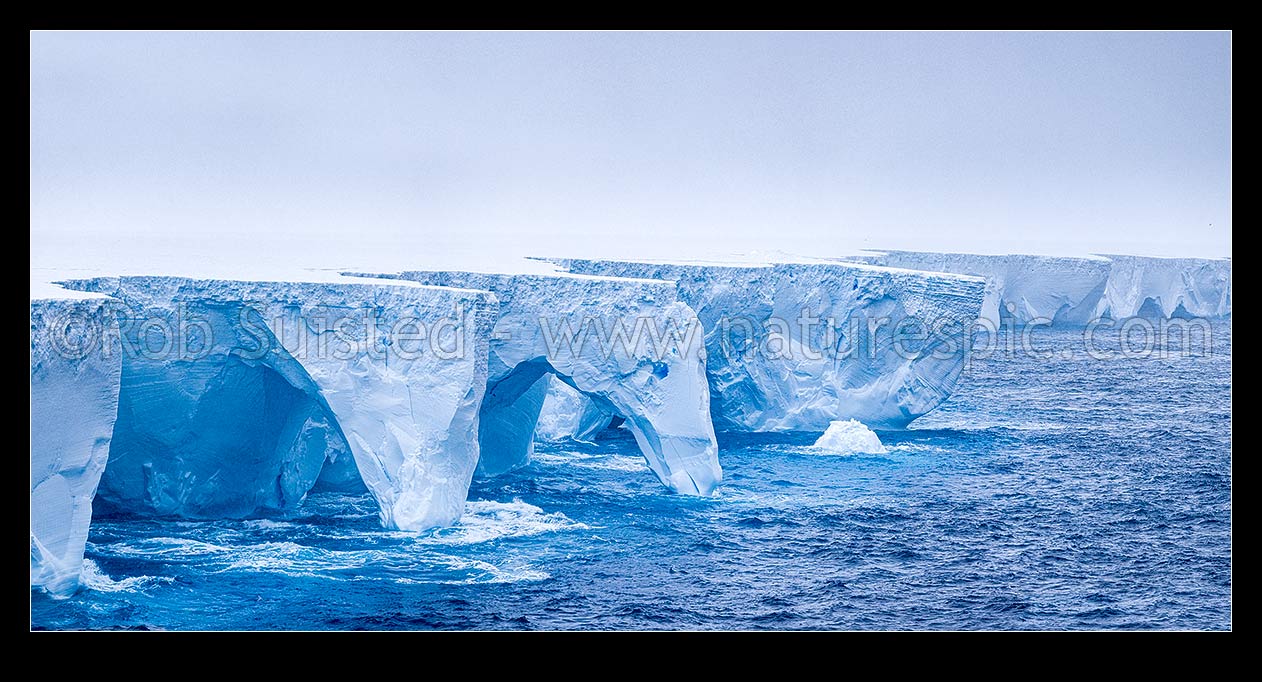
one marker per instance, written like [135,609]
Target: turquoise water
[1069,493]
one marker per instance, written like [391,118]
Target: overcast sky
[346,145]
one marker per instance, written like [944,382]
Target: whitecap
[93,578]
[266,524]
[486,520]
[169,549]
[590,461]
[484,572]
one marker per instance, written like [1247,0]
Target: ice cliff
[1167,287]
[75,371]
[1063,290]
[238,397]
[626,344]
[796,346]
[1074,291]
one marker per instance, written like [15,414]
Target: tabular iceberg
[795,346]
[75,375]
[215,398]
[1167,287]
[1064,291]
[238,397]
[627,344]
[1024,288]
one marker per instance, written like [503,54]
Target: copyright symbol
[73,334]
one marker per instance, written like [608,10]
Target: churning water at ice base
[1046,494]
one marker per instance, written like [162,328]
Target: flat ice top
[264,258]
[1043,254]
[737,261]
[743,259]
[582,277]
[1123,255]
[47,291]
[268,260]
[1077,256]
[766,259]
[201,258]
[43,280]
[301,261]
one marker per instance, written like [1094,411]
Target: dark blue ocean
[1065,493]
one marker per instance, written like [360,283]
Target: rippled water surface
[1063,493]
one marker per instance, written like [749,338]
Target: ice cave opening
[271,401]
[536,402]
[220,433]
[1150,309]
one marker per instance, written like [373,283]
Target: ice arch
[568,414]
[238,397]
[636,351]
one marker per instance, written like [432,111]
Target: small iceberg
[849,437]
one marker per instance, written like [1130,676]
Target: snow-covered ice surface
[1070,291]
[849,437]
[237,395]
[793,346]
[627,343]
[75,375]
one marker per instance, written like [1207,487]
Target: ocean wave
[93,578]
[591,461]
[393,556]
[396,565]
[165,548]
[481,573]
[405,563]
[485,521]
[268,524]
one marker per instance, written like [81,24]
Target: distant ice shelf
[1167,287]
[1063,291]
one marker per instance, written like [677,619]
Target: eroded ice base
[275,386]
